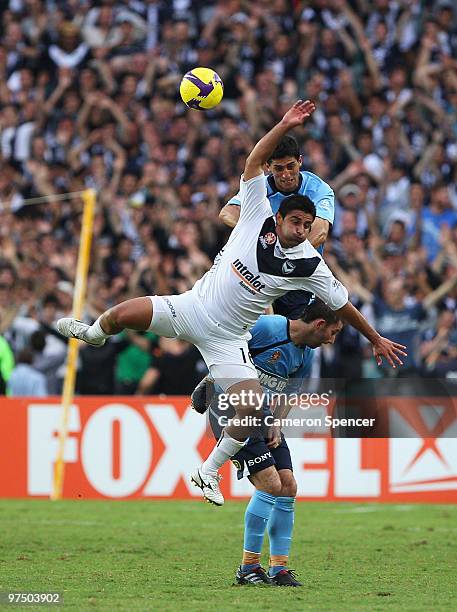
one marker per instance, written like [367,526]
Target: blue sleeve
[321,194]
[325,203]
[235,200]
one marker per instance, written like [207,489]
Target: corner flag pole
[88,197]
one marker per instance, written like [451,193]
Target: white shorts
[184,316]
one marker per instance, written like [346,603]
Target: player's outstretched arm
[382,347]
[230,214]
[300,112]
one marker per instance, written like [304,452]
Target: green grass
[182,556]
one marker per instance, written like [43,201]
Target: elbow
[227,218]
[223,216]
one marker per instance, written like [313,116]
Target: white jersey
[252,270]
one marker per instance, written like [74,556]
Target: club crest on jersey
[275,356]
[248,281]
[288,267]
[325,204]
[268,239]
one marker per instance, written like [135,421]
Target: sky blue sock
[280,528]
[255,522]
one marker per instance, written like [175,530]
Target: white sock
[225,448]
[95,331]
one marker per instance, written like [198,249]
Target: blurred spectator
[25,380]
[177,369]
[438,214]
[89,98]
[134,360]
[49,355]
[439,347]
[6,364]
[398,319]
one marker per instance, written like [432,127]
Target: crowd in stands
[89,98]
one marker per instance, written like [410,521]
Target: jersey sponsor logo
[271,382]
[288,267]
[259,459]
[248,280]
[268,239]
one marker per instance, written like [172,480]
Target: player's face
[323,333]
[286,173]
[294,228]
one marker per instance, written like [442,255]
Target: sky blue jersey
[317,190]
[281,364]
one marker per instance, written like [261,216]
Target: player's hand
[299,113]
[274,436]
[390,350]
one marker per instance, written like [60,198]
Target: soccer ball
[201,88]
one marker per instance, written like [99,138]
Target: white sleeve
[327,287]
[253,199]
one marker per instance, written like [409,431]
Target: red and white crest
[270,238]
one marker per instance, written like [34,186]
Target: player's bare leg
[249,405]
[288,483]
[267,480]
[133,314]
[232,439]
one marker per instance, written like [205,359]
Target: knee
[113,317]
[288,484]
[267,481]
[272,488]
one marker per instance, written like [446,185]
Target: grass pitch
[182,556]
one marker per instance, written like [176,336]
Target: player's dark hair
[297,202]
[317,309]
[287,147]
